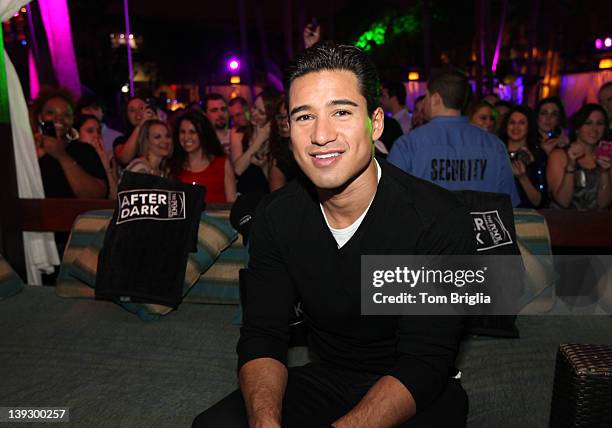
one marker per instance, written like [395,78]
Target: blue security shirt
[454,154]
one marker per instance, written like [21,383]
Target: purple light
[56,21]
[234,64]
[598,44]
[608,42]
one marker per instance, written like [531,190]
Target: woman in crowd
[154,148]
[551,119]
[125,147]
[481,114]
[519,133]
[577,177]
[199,158]
[69,168]
[283,167]
[89,130]
[250,149]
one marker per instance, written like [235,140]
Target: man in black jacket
[306,243]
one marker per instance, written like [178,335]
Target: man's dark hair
[244,103]
[212,97]
[328,56]
[452,86]
[396,89]
[89,101]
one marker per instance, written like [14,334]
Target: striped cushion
[211,275]
[10,282]
[534,242]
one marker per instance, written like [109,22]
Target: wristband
[570,171]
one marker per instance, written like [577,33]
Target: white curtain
[40,250]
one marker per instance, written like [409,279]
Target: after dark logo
[150,204]
[490,230]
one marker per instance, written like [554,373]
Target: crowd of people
[235,147]
[555,161]
[228,148]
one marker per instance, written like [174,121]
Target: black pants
[317,394]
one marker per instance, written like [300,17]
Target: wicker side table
[582,392]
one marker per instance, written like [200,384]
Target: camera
[47,128]
[520,155]
[153,104]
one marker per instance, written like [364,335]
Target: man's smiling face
[331,130]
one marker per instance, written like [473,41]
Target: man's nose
[323,131]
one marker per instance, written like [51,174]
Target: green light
[377,33]
[4,105]
[406,24]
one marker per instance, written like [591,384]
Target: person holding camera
[69,169]
[125,147]
[580,175]
[518,131]
[250,150]
[551,119]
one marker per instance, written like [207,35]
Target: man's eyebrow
[299,109]
[342,102]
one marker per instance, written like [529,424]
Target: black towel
[153,229]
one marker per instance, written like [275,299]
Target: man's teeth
[328,155]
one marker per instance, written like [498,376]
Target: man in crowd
[215,109]
[91,105]
[393,100]
[239,113]
[372,370]
[604,97]
[449,151]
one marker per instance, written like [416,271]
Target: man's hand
[387,404]
[312,35]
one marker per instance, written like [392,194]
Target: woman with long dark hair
[283,167]
[579,177]
[200,159]
[250,149]
[518,131]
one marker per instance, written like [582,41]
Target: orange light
[605,63]
[413,75]
[235,80]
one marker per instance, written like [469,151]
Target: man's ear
[378,123]
[436,100]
